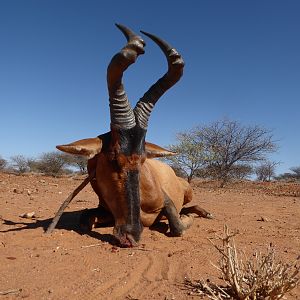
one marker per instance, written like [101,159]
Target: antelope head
[117,156]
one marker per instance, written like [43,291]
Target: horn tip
[125,30]
[145,33]
[121,27]
[160,42]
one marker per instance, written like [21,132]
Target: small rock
[96,270]
[17,191]
[56,249]
[29,215]
[264,219]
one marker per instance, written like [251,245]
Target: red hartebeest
[134,190]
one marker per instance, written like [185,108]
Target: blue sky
[242,62]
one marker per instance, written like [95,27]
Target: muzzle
[128,235]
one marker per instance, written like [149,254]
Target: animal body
[134,189]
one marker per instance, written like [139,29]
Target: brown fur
[162,193]
[157,179]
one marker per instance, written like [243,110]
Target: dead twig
[259,277]
[92,245]
[67,202]
[8,292]
[140,249]
[132,249]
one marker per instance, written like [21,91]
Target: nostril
[127,241]
[128,235]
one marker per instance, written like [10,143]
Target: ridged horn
[146,104]
[121,113]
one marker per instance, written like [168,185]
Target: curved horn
[129,34]
[121,112]
[145,105]
[163,45]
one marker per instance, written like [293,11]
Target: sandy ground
[68,265]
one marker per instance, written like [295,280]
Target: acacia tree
[77,161]
[221,147]
[52,163]
[296,172]
[266,170]
[33,164]
[241,171]
[3,163]
[295,175]
[190,154]
[230,143]
[19,163]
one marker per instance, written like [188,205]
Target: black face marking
[132,141]
[120,144]
[132,190]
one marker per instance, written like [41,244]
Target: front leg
[95,217]
[178,224]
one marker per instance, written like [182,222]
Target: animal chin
[127,241]
[127,235]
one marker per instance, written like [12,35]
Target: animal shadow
[68,221]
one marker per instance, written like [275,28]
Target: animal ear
[86,147]
[153,150]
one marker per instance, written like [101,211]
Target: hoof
[176,233]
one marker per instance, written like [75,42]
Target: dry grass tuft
[261,277]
